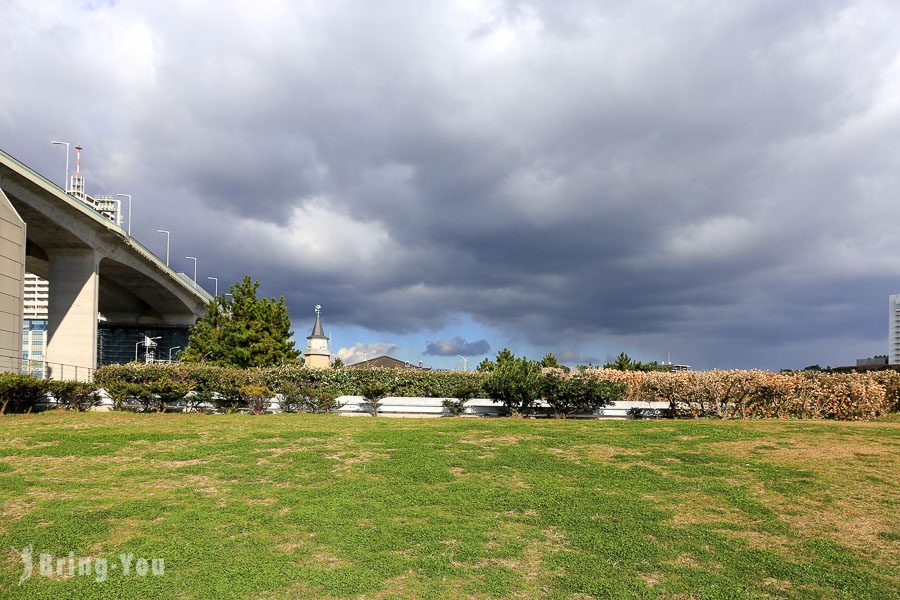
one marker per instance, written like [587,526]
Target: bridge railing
[46,370]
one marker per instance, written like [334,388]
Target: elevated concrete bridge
[93,266]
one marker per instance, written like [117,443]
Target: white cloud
[360,351]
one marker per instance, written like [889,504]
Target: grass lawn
[296,506]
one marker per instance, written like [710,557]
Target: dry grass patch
[777,584]
[15,509]
[762,540]
[123,531]
[491,442]
[530,564]
[849,522]
[696,508]
[651,580]
[598,452]
[174,464]
[346,460]
[855,510]
[282,450]
[813,452]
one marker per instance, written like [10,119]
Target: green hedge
[721,394]
[342,382]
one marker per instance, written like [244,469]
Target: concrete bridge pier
[72,313]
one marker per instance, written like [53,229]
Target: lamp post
[194,258]
[216,279]
[170,352]
[129,211]
[165,231]
[66,144]
[465,362]
[144,342]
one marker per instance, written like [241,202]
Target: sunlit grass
[324,506]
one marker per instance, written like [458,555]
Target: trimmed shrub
[292,396]
[515,383]
[890,381]
[75,395]
[322,401]
[127,394]
[373,392]
[257,397]
[167,391]
[578,393]
[19,393]
[462,394]
[229,396]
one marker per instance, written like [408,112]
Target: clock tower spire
[317,355]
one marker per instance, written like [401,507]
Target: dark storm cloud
[457,346]
[714,176]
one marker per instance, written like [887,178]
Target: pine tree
[243,331]
[550,361]
[504,356]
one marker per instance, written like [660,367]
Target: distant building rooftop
[385,362]
[881,359]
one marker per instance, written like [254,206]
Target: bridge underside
[125,296]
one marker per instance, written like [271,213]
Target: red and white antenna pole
[77,181]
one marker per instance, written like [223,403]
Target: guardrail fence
[47,370]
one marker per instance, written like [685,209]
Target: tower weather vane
[318,309]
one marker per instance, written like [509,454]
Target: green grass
[320,506]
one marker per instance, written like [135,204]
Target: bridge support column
[72,313]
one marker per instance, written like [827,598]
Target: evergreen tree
[243,331]
[485,366]
[503,357]
[514,382]
[624,362]
[550,362]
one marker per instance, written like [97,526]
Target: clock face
[318,344]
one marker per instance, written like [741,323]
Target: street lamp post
[66,144]
[129,211]
[194,258]
[215,279]
[144,342]
[465,362]
[165,231]
[170,352]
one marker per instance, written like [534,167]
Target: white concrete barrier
[421,407]
[431,407]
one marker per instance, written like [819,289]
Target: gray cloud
[711,182]
[457,346]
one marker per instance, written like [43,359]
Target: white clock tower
[317,355]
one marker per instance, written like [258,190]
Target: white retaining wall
[433,407]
